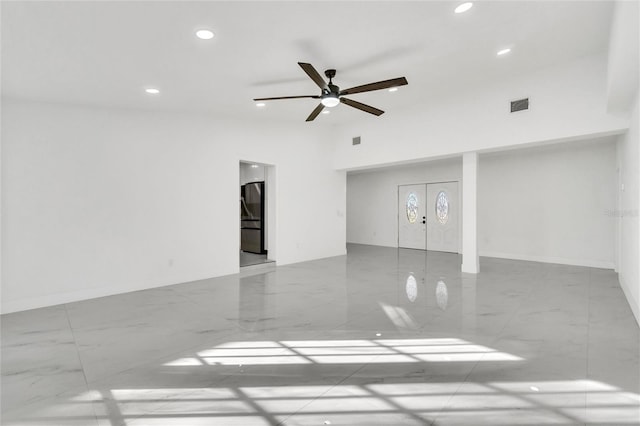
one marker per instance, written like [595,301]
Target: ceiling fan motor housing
[331,89]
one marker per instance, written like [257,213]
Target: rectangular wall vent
[356,140]
[520,105]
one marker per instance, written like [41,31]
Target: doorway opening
[429,217]
[257,214]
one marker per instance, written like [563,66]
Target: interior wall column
[469,282]
[470,261]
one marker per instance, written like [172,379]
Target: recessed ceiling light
[152,91]
[261,104]
[534,388]
[463,7]
[503,51]
[204,34]
[393,89]
[253,166]
[326,111]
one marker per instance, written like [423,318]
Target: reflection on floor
[248,259]
[378,337]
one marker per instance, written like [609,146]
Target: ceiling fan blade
[379,85]
[315,112]
[315,76]
[361,106]
[287,97]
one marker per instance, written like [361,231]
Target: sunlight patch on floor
[344,352]
[497,403]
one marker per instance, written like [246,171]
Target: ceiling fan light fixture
[330,101]
[463,7]
[204,34]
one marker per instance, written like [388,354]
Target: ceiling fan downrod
[332,87]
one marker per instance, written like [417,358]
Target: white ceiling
[106,53]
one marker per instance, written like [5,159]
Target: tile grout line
[556,410]
[84,375]
[453,394]
[75,343]
[331,387]
[265,414]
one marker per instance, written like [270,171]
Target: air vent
[356,140]
[520,105]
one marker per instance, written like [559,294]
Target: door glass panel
[442,207]
[412,207]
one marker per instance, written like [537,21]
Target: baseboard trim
[46,301]
[324,256]
[550,259]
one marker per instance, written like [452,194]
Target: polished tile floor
[248,259]
[378,337]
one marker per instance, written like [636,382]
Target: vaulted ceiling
[107,53]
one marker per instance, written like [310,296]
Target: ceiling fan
[331,95]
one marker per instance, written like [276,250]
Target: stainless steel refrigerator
[252,211]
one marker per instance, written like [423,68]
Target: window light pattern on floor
[239,398]
[345,352]
[559,402]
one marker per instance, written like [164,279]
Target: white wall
[567,102]
[102,201]
[550,204]
[629,199]
[622,89]
[372,198]
[623,56]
